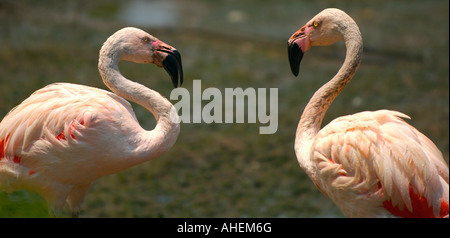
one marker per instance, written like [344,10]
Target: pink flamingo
[370,164]
[65,136]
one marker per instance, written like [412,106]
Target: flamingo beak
[170,59]
[295,55]
[298,43]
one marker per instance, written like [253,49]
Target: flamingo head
[140,47]
[324,29]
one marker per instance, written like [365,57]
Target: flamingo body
[65,136]
[376,161]
[55,135]
[370,164]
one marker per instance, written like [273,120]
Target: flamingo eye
[146,39]
[315,24]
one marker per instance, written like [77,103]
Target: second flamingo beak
[295,55]
[298,43]
[169,58]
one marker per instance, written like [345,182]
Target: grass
[229,170]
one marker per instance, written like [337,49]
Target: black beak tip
[172,64]
[179,64]
[295,55]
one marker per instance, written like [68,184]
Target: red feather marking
[16,159]
[31,172]
[61,135]
[419,205]
[2,149]
[3,144]
[444,209]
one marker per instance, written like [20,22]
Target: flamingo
[370,164]
[65,136]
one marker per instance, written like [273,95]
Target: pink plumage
[65,136]
[371,164]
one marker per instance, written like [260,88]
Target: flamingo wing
[50,142]
[377,158]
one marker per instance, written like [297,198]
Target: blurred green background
[227,170]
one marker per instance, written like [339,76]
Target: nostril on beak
[300,32]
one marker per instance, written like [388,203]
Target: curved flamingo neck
[149,143]
[132,91]
[316,108]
